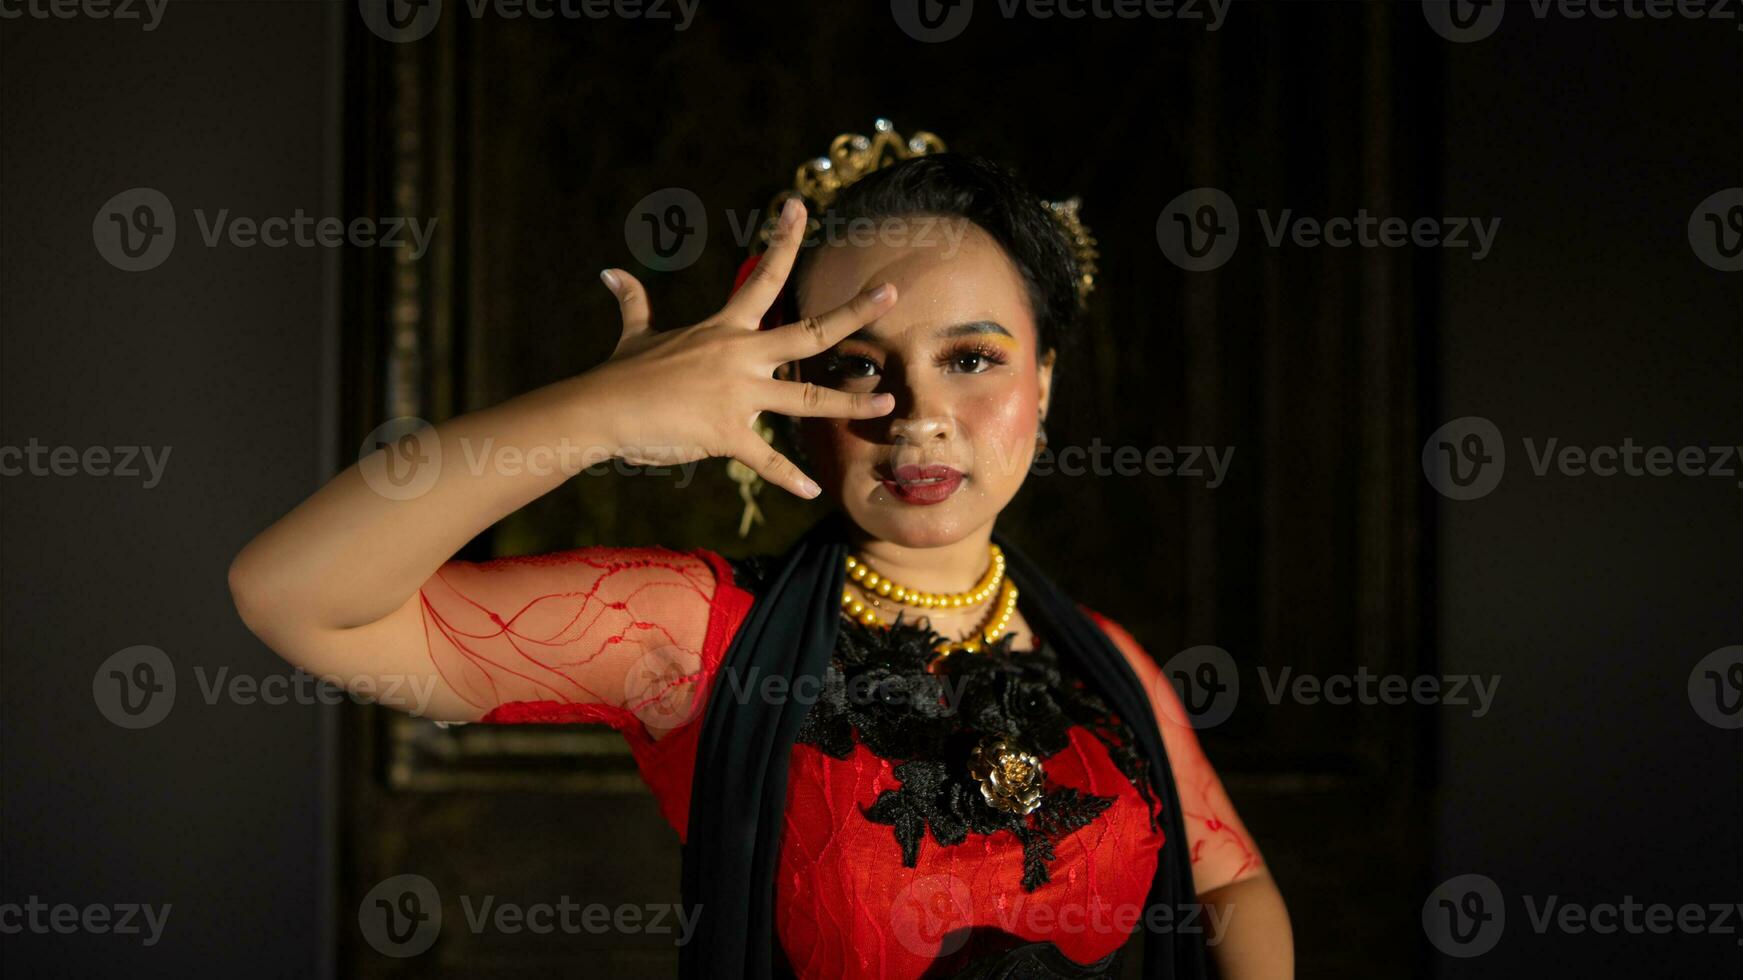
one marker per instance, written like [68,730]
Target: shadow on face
[959,353]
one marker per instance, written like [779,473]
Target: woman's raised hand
[683,395]
[668,397]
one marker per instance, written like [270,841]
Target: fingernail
[609,278]
[808,488]
[884,401]
[790,211]
[882,293]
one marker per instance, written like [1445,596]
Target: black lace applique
[878,691]
[752,571]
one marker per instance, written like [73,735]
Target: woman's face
[959,353]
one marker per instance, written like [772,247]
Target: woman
[885,758]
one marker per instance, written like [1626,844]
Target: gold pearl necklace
[994,580]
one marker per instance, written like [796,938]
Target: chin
[924,533]
[918,526]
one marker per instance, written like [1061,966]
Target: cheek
[1002,425]
[833,447]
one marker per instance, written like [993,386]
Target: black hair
[994,200]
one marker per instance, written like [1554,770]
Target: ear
[1044,375]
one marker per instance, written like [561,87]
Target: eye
[973,358]
[848,366]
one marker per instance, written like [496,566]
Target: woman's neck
[955,567]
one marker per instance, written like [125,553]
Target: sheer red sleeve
[1222,850]
[626,637]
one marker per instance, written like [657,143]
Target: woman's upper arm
[1222,850]
[595,625]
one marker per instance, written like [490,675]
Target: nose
[920,429]
[921,415]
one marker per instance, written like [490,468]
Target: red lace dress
[890,857]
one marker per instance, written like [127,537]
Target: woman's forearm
[350,554]
[1250,934]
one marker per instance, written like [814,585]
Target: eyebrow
[957,330]
[974,327]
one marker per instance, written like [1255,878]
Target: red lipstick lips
[923,484]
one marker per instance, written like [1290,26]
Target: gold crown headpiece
[851,156]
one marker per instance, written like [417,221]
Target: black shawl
[739,792]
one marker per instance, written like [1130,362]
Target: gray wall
[1593,779]
[220,356]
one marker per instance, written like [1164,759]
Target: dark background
[1592,779]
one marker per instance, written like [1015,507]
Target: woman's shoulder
[610,572]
